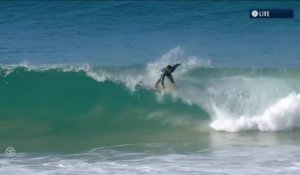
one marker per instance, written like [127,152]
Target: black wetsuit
[166,72]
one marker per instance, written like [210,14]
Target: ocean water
[76,78]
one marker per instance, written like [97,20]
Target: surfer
[166,72]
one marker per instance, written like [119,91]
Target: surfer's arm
[175,66]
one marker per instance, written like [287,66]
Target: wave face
[62,104]
[57,101]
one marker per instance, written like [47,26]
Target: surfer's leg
[162,81]
[170,77]
[158,81]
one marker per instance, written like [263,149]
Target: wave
[102,99]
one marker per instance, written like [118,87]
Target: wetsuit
[166,72]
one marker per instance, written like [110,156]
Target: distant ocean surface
[76,78]
[124,33]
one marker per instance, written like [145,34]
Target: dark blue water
[124,33]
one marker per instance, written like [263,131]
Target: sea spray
[283,115]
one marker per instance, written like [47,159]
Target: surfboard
[159,88]
[168,88]
[155,89]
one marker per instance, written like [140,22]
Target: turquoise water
[76,83]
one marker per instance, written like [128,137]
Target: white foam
[282,115]
[115,160]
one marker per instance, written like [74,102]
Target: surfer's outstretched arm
[176,65]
